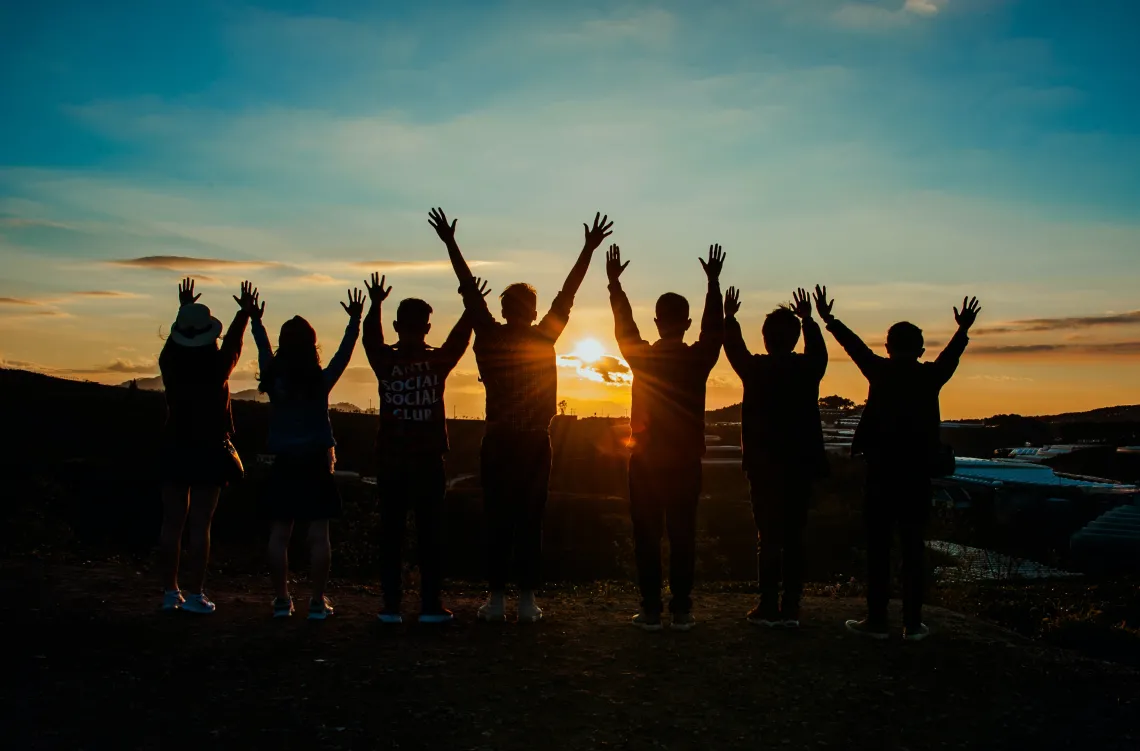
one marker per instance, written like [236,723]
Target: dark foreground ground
[92,665]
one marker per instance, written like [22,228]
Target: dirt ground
[93,665]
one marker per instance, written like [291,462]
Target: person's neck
[411,343]
[673,338]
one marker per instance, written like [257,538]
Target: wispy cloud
[188,264]
[18,301]
[607,369]
[1128,318]
[1127,348]
[416,267]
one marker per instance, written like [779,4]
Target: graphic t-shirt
[411,378]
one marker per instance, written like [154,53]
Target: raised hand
[355,306]
[801,303]
[186,292]
[731,302]
[376,292]
[715,263]
[438,220]
[248,301]
[602,229]
[614,266]
[481,286]
[968,314]
[822,305]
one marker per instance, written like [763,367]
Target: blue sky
[904,153]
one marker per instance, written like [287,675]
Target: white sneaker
[320,609]
[682,622]
[282,607]
[529,611]
[199,603]
[916,634]
[390,618]
[494,610]
[172,600]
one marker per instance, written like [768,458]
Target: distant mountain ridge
[1119,413]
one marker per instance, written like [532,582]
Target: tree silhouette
[836,402]
[562,405]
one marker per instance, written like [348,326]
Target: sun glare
[589,350]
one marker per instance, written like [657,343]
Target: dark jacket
[780,423]
[412,378]
[518,365]
[902,418]
[667,417]
[196,382]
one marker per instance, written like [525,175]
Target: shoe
[494,610]
[765,620]
[282,607]
[647,621]
[199,603]
[437,615]
[320,609]
[869,630]
[172,600]
[529,612]
[916,634]
[790,623]
[682,621]
[392,617]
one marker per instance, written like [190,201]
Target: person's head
[672,316]
[781,331]
[297,361]
[412,322]
[520,304]
[195,328]
[905,342]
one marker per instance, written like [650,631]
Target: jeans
[413,483]
[515,467]
[663,496]
[780,499]
[896,497]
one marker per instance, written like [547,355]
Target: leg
[533,508]
[497,512]
[912,541]
[880,521]
[203,502]
[765,511]
[279,534]
[430,489]
[175,502]
[320,557]
[392,490]
[681,521]
[797,498]
[647,516]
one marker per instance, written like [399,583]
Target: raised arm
[712,321]
[815,348]
[335,369]
[866,360]
[373,336]
[235,334]
[553,323]
[625,329]
[738,355]
[474,301]
[947,361]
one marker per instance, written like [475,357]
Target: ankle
[526,597]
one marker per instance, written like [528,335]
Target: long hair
[296,366]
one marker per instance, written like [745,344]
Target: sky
[904,153]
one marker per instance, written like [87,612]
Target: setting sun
[589,350]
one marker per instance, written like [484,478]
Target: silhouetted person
[782,443]
[301,486]
[667,423]
[518,366]
[898,435]
[198,459]
[411,443]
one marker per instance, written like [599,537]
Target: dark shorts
[301,488]
[195,464]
